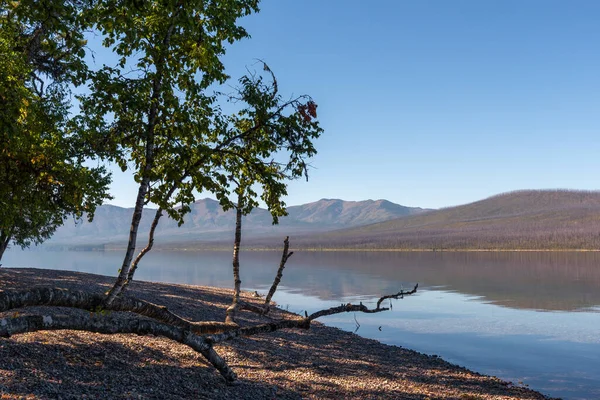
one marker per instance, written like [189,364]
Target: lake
[529,317]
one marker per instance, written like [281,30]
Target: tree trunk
[149,164]
[231,311]
[145,250]
[148,247]
[135,222]
[5,236]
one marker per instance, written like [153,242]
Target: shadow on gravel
[104,368]
[292,364]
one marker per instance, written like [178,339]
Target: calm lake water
[532,318]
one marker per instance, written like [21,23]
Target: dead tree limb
[198,335]
[397,296]
[10,299]
[284,257]
[255,308]
[304,323]
[361,307]
[301,323]
[108,325]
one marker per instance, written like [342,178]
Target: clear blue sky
[435,103]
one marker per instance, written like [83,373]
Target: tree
[151,108]
[44,179]
[153,112]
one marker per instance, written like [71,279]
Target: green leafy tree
[44,179]
[248,164]
[152,112]
[152,104]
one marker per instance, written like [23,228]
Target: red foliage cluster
[308,111]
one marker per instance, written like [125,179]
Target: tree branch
[361,307]
[304,323]
[284,257]
[11,299]
[398,295]
[109,325]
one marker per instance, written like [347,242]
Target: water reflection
[533,280]
[551,281]
[480,310]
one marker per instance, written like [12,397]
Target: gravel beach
[320,363]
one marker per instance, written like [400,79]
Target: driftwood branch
[304,323]
[399,295]
[94,302]
[361,307]
[198,335]
[108,325]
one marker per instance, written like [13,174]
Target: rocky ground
[321,363]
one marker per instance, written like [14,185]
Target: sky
[433,103]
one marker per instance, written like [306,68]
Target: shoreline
[333,249]
[323,362]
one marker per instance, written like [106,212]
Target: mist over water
[530,317]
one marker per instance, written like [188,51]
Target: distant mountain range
[529,219]
[208,223]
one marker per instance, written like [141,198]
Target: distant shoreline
[84,248]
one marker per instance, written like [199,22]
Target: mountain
[529,219]
[207,222]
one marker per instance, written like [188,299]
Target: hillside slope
[207,222]
[532,219]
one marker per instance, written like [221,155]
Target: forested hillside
[532,219]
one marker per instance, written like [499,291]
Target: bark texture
[135,222]
[10,300]
[145,250]
[108,325]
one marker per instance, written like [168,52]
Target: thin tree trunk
[144,185]
[231,311]
[284,257]
[145,250]
[135,222]
[148,247]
